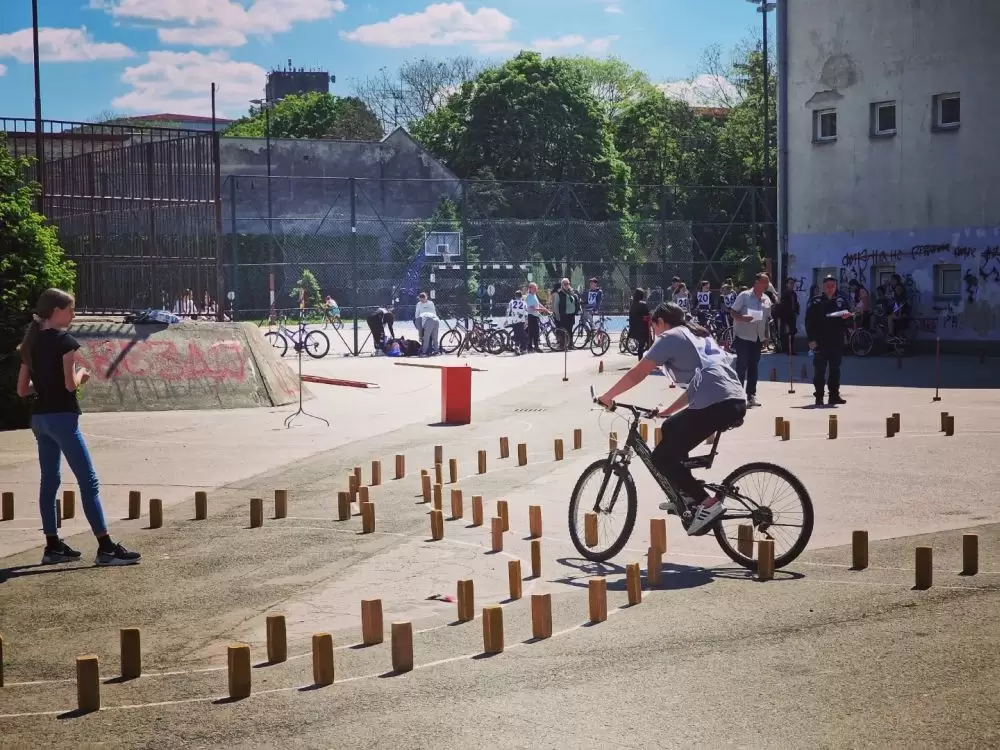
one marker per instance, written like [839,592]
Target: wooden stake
[453,470]
[425,486]
[496,534]
[68,504]
[765,559]
[541,616]
[466,600]
[376,473]
[859,550]
[493,629]
[890,427]
[654,563]
[536,559]
[944,420]
[895,422]
[130,646]
[924,568]
[779,430]
[970,554]
[438,497]
[557,448]
[477,510]
[400,466]
[201,505]
[658,534]
[277,639]
[535,521]
[832,428]
[363,496]
[598,591]
[633,582]
[744,540]
[322,655]
[280,503]
[371,622]
[657,436]
[343,506]
[134,504]
[481,462]
[949,425]
[357,476]
[7,506]
[786,430]
[577,439]
[590,529]
[457,504]
[402,647]
[438,474]
[155,513]
[503,514]
[522,454]
[437,525]
[88,683]
[514,579]
[504,448]
[238,657]
[352,486]
[439,454]
[368,518]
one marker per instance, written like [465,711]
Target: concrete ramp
[191,365]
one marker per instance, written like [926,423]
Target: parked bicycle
[314,343]
[863,341]
[613,478]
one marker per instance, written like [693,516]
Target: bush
[31,262]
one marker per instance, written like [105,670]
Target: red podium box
[456,395]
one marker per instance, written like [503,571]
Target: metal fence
[137,208]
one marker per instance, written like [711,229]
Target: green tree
[31,261]
[308,284]
[312,115]
[613,82]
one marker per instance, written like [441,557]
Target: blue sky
[149,56]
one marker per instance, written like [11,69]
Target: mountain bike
[613,477]
[314,343]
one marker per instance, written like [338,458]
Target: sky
[152,56]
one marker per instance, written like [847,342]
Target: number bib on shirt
[704,299]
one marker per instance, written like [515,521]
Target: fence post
[217,189]
[236,245]
[354,260]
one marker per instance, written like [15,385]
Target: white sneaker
[752,401]
[706,517]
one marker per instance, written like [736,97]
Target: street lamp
[39,151]
[764,7]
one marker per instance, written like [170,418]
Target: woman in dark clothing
[787,316]
[638,321]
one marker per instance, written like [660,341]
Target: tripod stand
[299,346]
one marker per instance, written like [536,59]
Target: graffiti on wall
[108,359]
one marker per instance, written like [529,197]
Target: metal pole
[767,111]
[270,205]
[354,261]
[782,45]
[39,150]
[217,168]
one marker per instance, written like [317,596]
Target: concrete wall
[911,201]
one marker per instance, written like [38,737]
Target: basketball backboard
[443,244]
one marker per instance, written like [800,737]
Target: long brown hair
[48,302]
[674,315]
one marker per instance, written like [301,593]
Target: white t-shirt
[682,301]
[517,311]
[424,307]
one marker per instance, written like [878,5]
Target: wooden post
[493,629]
[402,647]
[535,521]
[439,454]
[437,525]
[590,529]
[438,474]
[68,504]
[577,439]
[438,497]
[598,591]
[376,473]
[778,429]
[400,466]
[504,448]
[832,429]
[514,579]
[322,654]
[425,486]
[644,432]
[658,534]
[357,477]
[503,514]
[134,504]
[496,534]
[859,550]
[970,554]
[924,568]
[890,427]
[453,470]
[654,562]
[765,559]
[363,496]
[155,513]
[786,430]
[536,559]
[1,661]
[88,683]
[277,639]
[949,425]
[256,512]
[466,600]
[657,436]
[457,504]
[944,420]
[238,658]
[343,506]
[371,622]
[368,518]
[633,582]
[7,506]
[129,641]
[477,510]
[481,462]
[201,505]
[280,503]
[522,454]
[744,540]
[557,448]
[541,616]
[895,422]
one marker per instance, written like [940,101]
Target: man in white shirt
[427,323]
[751,311]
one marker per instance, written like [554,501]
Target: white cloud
[220,22]
[613,8]
[60,45]
[3,70]
[702,91]
[553,45]
[438,24]
[181,82]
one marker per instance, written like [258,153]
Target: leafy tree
[308,284]
[312,115]
[613,82]
[31,261]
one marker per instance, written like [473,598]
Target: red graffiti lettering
[222,362]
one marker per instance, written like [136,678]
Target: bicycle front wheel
[278,342]
[450,341]
[602,489]
[862,342]
[600,342]
[774,503]
[317,344]
[581,336]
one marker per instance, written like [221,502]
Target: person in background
[826,319]
[567,304]
[185,306]
[378,321]
[703,302]
[535,310]
[727,296]
[595,296]
[899,315]
[675,284]
[517,319]
[681,298]
[427,323]
[751,315]
[47,367]
[638,321]
[788,315]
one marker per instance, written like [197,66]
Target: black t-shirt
[637,325]
[47,373]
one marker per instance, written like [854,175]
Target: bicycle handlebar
[637,411]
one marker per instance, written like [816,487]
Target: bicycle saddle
[735,425]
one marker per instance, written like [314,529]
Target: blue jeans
[58,435]
[747,361]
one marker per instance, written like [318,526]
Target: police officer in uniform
[826,320]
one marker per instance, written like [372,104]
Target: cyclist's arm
[680,403]
[629,380]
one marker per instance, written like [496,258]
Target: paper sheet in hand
[839,314]
[757,315]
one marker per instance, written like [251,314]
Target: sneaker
[819,400]
[118,555]
[836,401]
[59,553]
[752,401]
[705,517]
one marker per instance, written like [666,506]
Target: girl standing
[47,353]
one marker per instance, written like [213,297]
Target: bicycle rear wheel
[600,342]
[581,336]
[496,342]
[317,344]
[450,341]
[278,342]
[862,342]
[599,491]
[784,516]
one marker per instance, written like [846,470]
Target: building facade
[892,127]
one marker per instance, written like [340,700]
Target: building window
[884,118]
[948,281]
[883,275]
[825,125]
[947,111]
